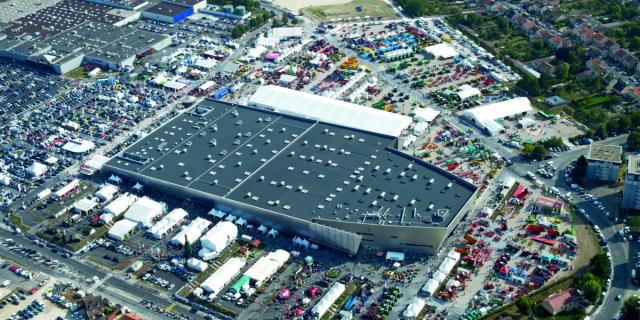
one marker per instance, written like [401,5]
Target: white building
[466,92]
[267,266]
[120,204]
[37,169]
[441,51]
[107,192]
[223,276]
[328,299]
[121,229]
[84,205]
[172,219]
[193,231]
[631,192]
[484,117]
[144,211]
[217,239]
[197,264]
[604,162]
[284,33]
[311,106]
[414,308]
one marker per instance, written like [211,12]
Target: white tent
[466,91]
[216,213]
[193,231]
[106,217]
[206,86]
[144,211]
[441,51]
[4,180]
[78,146]
[84,205]
[329,110]
[526,122]
[266,266]
[219,279]
[439,276]
[328,299]
[107,192]
[447,265]
[430,287]
[287,32]
[241,222]
[36,169]
[484,116]
[414,308]
[162,227]
[455,255]
[120,204]
[121,229]
[217,239]
[197,264]
[425,114]
[256,52]
[230,218]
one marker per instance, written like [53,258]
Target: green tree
[624,123]
[525,305]
[539,152]
[295,21]
[591,290]
[633,141]
[631,308]
[635,119]
[580,171]
[285,18]
[188,248]
[529,85]
[601,266]
[237,31]
[634,44]
[563,71]
[414,8]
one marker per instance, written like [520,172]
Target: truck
[530,175]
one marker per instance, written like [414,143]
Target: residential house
[630,62]
[544,35]
[546,68]
[566,300]
[632,93]
[599,38]
[591,63]
[609,44]
[586,36]
[529,27]
[555,42]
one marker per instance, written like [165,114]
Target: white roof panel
[329,110]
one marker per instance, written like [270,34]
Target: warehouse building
[333,185]
[604,162]
[631,191]
[122,4]
[311,106]
[487,117]
[92,42]
[167,12]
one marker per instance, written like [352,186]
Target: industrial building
[631,191]
[604,162]
[92,42]
[167,12]
[486,117]
[330,184]
[329,110]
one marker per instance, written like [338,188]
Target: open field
[295,5]
[367,8]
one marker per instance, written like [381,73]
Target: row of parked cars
[33,309]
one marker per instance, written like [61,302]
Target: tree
[591,290]
[414,8]
[237,32]
[285,18]
[631,308]
[580,171]
[295,21]
[563,72]
[539,152]
[601,266]
[530,85]
[635,43]
[633,141]
[188,248]
[525,305]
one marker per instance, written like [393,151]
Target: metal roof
[296,167]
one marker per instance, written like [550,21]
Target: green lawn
[17,220]
[371,8]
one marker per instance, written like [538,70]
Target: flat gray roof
[603,152]
[167,9]
[296,167]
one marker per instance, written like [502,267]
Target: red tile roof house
[599,38]
[592,63]
[529,27]
[566,300]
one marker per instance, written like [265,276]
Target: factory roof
[60,17]
[634,164]
[329,110]
[189,3]
[603,152]
[167,9]
[500,110]
[295,166]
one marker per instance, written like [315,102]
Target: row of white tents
[441,274]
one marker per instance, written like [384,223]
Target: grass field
[370,8]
